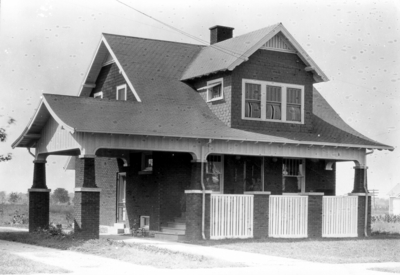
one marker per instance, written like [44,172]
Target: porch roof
[172,120]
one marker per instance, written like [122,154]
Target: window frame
[301,177]
[211,82]
[120,87]
[284,103]
[98,95]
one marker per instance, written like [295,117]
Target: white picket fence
[339,216]
[231,216]
[288,216]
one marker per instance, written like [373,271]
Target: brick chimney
[220,33]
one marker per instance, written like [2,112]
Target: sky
[46,46]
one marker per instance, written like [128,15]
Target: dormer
[266,78]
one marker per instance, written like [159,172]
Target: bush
[389,218]
[19,218]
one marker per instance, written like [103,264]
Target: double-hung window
[121,92]
[272,101]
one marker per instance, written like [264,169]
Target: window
[214,90]
[147,163]
[121,92]
[271,101]
[293,171]
[214,177]
[145,222]
[98,95]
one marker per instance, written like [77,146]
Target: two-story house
[229,140]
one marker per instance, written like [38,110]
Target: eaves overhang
[32,132]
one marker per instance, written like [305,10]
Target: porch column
[261,214]
[39,198]
[360,175]
[87,199]
[194,205]
[315,215]
[361,214]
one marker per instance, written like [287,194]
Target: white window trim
[98,95]
[119,88]
[263,100]
[302,177]
[211,84]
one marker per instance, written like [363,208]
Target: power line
[224,50]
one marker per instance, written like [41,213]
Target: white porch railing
[231,216]
[288,216]
[339,216]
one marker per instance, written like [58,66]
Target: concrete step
[169,236]
[171,230]
[180,220]
[179,225]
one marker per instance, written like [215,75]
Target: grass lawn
[128,252]
[13,264]
[382,248]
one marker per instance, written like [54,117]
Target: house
[394,200]
[229,140]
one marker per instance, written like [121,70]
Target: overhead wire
[219,48]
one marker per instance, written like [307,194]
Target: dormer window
[214,90]
[271,101]
[98,95]
[121,92]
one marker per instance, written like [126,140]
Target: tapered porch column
[360,175]
[39,198]
[87,199]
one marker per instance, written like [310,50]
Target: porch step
[180,220]
[172,230]
[169,236]
[178,225]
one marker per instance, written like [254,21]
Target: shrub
[389,218]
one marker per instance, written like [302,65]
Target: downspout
[366,195]
[203,203]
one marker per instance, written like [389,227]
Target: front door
[121,197]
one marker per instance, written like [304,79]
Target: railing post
[315,215]
[361,214]
[260,214]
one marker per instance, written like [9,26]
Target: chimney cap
[219,26]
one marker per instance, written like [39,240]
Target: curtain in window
[274,103]
[253,100]
[293,110]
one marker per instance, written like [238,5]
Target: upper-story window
[98,95]
[272,101]
[214,89]
[121,92]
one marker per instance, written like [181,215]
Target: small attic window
[98,95]
[214,90]
[121,92]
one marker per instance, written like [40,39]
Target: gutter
[366,195]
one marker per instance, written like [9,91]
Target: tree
[14,198]
[60,195]
[3,197]
[3,138]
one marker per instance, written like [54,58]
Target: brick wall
[361,216]
[159,195]
[278,67]
[273,178]
[315,216]
[108,80]
[84,172]
[39,203]
[261,216]
[194,204]
[86,214]
[318,179]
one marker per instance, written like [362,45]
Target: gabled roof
[395,192]
[229,54]
[170,107]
